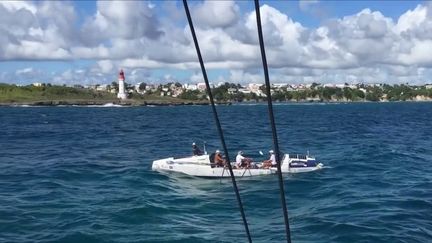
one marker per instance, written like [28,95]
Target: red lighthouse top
[121,75]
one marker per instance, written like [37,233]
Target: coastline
[54,95]
[105,103]
[136,103]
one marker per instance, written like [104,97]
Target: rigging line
[272,121]
[217,120]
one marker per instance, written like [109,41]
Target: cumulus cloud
[18,5]
[135,35]
[213,14]
[121,19]
[106,66]
[412,19]
[35,31]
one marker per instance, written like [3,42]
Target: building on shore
[121,86]
[37,84]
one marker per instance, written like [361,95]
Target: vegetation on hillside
[318,93]
[227,92]
[13,93]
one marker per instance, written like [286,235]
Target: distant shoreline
[169,95]
[106,103]
[136,103]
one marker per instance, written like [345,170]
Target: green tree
[374,93]
[142,86]
[339,93]
[114,85]
[278,96]
[314,85]
[348,93]
[327,93]
[191,95]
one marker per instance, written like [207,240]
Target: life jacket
[212,160]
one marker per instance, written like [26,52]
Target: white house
[201,86]
[37,84]
[279,85]
[254,87]
[232,90]
[190,86]
[244,91]
[103,87]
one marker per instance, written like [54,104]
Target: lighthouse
[121,85]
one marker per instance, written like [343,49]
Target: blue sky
[307,41]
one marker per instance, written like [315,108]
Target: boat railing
[298,156]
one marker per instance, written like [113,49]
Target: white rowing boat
[200,166]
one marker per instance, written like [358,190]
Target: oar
[223,171]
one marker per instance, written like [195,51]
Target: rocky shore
[107,103]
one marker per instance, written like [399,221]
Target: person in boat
[196,150]
[241,161]
[271,162]
[218,160]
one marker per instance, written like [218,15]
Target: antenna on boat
[205,150]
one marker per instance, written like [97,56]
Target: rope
[272,121]
[217,120]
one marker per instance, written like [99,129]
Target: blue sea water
[83,174]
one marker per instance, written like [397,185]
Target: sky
[88,42]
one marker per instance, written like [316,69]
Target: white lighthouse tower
[121,85]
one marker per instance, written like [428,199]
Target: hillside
[61,95]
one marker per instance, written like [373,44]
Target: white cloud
[132,34]
[418,54]
[25,70]
[106,66]
[121,19]
[216,14]
[13,6]
[31,31]
[412,19]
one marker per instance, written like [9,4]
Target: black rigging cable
[272,121]
[217,119]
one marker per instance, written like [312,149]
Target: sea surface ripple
[83,174]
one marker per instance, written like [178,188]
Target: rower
[196,150]
[242,161]
[271,162]
[218,160]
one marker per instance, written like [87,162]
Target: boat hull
[204,170]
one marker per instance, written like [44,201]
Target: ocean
[83,174]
